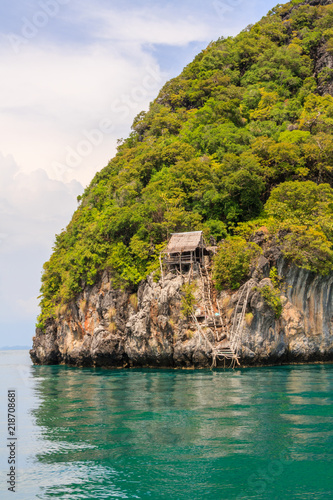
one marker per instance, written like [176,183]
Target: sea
[85,433]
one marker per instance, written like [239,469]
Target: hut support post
[191,268]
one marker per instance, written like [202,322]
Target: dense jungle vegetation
[241,139]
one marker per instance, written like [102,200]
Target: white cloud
[53,93]
[176,22]
[51,96]
[148,26]
[32,206]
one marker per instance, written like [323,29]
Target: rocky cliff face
[304,331]
[105,327]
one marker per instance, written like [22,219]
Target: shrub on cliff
[309,248]
[303,212]
[232,262]
[272,293]
[187,299]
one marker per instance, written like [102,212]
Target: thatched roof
[184,242]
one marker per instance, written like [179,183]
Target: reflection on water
[185,434]
[249,434]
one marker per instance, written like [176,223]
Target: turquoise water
[250,434]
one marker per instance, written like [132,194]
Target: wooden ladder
[226,354]
[229,352]
[207,296]
[237,325]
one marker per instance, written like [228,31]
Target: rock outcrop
[105,327]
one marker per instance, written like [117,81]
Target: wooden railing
[183,259]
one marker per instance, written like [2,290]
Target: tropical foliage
[233,261]
[244,132]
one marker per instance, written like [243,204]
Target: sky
[73,75]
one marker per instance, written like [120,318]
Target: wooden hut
[185,249]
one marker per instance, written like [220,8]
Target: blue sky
[73,76]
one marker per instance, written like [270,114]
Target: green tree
[233,261]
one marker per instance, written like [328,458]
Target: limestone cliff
[105,327]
